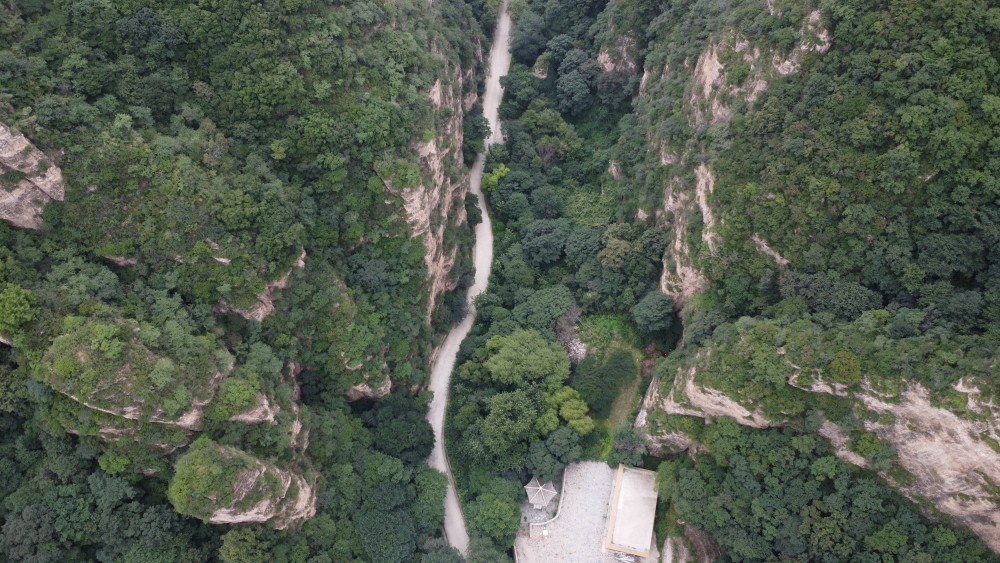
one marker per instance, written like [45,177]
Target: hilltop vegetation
[826,172]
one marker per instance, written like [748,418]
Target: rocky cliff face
[436,203]
[954,460]
[28,180]
[708,89]
[225,485]
[287,498]
[434,206]
[951,454]
[264,305]
[693,546]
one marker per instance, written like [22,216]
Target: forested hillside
[826,173]
[786,207]
[750,244]
[219,219]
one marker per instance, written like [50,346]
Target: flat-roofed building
[633,509]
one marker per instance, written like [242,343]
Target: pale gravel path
[454,521]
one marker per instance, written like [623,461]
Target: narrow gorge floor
[444,363]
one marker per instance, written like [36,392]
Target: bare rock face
[680,279]
[954,460]
[437,200]
[710,98]
[618,57]
[263,411]
[367,391]
[265,301]
[954,457]
[693,546]
[659,442]
[293,498]
[225,485]
[28,180]
[712,89]
[688,398]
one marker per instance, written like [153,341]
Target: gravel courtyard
[576,535]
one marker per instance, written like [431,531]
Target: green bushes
[524,358]
[204,479]
[17,306]
[399,428]
[546,459]
[654,312]
[775,494]
[826,293]
[598,382]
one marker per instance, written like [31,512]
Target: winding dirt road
[454,521]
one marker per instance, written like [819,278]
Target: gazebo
[540,495]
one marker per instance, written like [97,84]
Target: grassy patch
[985,437]
[597,445]
[587,208]
[602,333]
[626,403]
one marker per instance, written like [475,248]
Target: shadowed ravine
[444,364]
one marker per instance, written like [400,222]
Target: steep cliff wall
[944,446]
[690,88]
[437,202]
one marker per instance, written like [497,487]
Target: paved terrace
[577,533]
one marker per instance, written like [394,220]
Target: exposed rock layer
[28,180]
[286,495]
[955,460]
[711,96]
[437,200]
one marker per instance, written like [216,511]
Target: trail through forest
[454,521]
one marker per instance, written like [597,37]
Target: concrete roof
[633,509]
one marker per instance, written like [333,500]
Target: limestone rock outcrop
[953,456]
[225,485]
[28,180]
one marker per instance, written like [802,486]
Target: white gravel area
[576,535]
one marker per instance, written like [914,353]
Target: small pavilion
[540,495]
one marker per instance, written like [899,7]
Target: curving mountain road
[454,521]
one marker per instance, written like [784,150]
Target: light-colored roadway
[454,522]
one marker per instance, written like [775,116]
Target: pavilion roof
[539,494]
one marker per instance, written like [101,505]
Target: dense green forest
[215,153]
[782,496]
[580,249]
[235,258]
